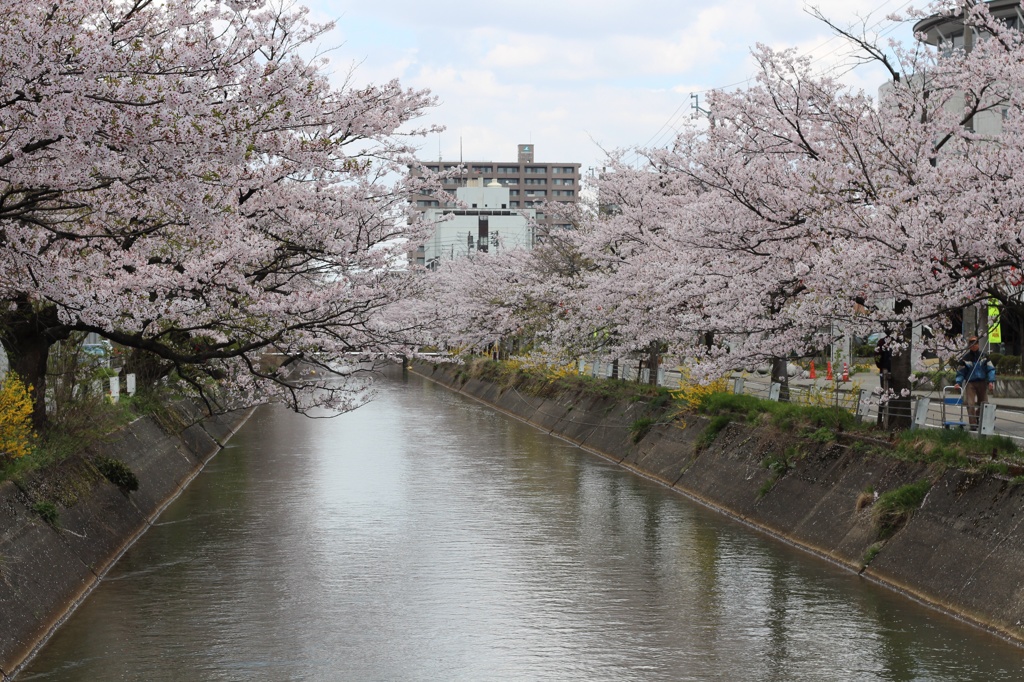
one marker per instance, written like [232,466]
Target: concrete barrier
[46,570]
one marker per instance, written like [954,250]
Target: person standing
[975,376]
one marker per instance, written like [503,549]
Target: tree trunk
[28,334]
[780,375]
[653,363]
[900,416]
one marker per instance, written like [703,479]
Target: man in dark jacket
[975,375]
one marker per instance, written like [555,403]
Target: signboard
[995,331]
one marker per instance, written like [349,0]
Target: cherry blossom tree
[801,202]
[182,179]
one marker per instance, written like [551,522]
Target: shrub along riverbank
[923,512]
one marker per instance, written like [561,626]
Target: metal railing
[924,410]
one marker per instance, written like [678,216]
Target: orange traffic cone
[828,371]
[846,372]
[813,375]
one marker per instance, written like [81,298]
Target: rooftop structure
[529,183]
[483,222]
[948,31]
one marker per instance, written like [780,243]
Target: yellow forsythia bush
[693,393]
[16,434]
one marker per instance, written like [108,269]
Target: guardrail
[927,410]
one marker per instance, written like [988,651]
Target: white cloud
[566,74]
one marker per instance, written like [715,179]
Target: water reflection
[425,537]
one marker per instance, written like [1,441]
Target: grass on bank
[893,509]
[948,448]
[545,381]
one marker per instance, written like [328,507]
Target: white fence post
[921,413]
[988,419]
[863,405]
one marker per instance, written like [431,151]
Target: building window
[535,181]
[508,169]
[482,169]
[515,204]
[568,170]
[513,192]
[536,170]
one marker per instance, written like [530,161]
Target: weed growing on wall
[893,508]
[640,428]
[118,473]
[47,512]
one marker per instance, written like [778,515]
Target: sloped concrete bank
[47,570]
[962,551]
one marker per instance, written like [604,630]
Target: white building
[482,222]
[950,33]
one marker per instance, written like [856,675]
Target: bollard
[863,405]
[988,419]
[920,413]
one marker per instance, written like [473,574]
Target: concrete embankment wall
[962,551]
[46,570]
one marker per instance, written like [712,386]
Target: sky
[578,79]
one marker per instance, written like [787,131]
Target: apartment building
[530,183]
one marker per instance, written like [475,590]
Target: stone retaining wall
[45,571]
[961,552]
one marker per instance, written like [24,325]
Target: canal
[427,537]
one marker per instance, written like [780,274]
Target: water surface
[426,537]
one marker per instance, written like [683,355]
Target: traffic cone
[846,373]
[828,371]
[813,374]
